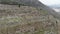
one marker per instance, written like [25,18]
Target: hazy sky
[50,2]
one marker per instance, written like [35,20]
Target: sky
[50,2]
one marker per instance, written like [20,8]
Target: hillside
[26,20]
[33,3]
[32,17]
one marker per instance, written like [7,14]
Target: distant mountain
[55,6]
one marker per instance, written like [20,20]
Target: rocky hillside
[26,20]
[33,3]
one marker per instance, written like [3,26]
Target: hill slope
[32,17]
[33,3]
[26,20]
